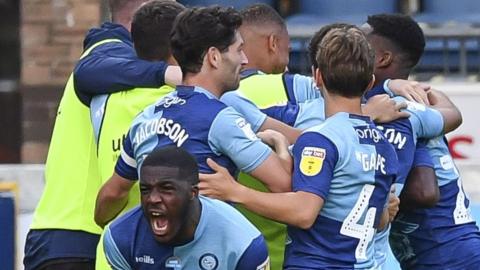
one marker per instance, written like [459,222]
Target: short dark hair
[317,38]
[346,61]
[174,157]
[403,32]
[261,14]
[151,27]
[198,29]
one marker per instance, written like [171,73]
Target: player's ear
[317,76]
[371,83]
[272,42]
[213,57]
[385,59]
[194,191]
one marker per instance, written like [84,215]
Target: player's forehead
[160,175]
[238,41]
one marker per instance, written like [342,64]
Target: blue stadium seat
[312,14]
[237,4]
[327,11]
[441,11]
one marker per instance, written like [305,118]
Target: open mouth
[159,223]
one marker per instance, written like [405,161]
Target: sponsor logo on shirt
[145,259]
[367,134]
[311,162]
[394,137]
[161,126]
[446,162]
[173,262]
[169,101]
[208,261]
[246,128]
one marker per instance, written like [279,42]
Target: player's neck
[391,74]
[204,82]
[261,65]
[335,104]
[187,232]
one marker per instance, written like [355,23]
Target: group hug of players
[329,155]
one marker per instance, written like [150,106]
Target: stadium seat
[238,4]
[437,12]
[312,14]
[445,56]
[326,11]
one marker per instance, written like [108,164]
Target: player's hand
[219,185]
[383,109]
[393,205]
[272,138]
[411,90]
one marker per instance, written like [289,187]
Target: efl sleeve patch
[311,162]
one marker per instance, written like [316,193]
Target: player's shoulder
[122,231]
[227,218]
[128,219]
[336,126]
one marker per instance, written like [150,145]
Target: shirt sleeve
[112,252]
[286,113]
[255,256]
[314,157]
[426,122]
[422,156]
[126,165]
[250,111]
[114,67]
[230,134]
[300,88]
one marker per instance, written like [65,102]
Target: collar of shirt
[183,89]
[249,72]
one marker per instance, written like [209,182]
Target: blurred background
[40,41]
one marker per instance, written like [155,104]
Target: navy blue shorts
[44,245]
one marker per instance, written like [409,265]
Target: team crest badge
[208,261]
[312,160]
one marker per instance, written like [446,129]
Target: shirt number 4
[364,232]
[461,214]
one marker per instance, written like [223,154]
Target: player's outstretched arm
[452,117]
[289,132]
[114,67]
[230,134]
[273,172]
[298,209]
[111,199]
[280,144]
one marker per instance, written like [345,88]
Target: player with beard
[208,47]
[176,228]
[343,168]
